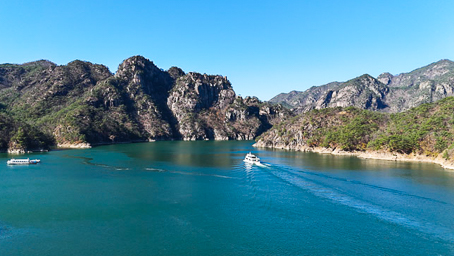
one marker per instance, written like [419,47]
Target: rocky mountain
[422,131]
[80,104]
[303,98]
[387,93]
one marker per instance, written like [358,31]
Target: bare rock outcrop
[82,104]
[387,93]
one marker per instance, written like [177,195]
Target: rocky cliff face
[145,89]
[387,93]
[363,92]
[424,85]
[194,94]
[83,103]
[206,107]
[303,98]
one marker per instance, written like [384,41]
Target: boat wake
[8,232]
[264,165]
[300,180]
[189,173]
[4,233]
[249,165]
[89,161]
[155,169]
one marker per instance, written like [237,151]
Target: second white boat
[22,161]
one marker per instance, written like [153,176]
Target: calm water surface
[199,198]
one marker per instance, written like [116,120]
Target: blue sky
[263,47]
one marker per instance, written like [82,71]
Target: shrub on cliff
[427,129]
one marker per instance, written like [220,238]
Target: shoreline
[370,154]
[86,145]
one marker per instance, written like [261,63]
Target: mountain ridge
[83,104]
[396,93]
[423,133]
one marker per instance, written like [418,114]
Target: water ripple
[362,206]
[393,191]
[189,173]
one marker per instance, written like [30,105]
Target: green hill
[82,104]
[427,130]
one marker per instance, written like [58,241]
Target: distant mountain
[298,98]
[80,104]
[425,131]
[387,93]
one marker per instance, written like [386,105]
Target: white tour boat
[22,161]
[251,158]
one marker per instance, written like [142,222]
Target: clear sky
[263,47]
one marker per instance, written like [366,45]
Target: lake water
[199,198]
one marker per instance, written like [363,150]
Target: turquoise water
[199,198]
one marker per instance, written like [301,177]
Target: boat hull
[17,163]
[251,162]
[22,161]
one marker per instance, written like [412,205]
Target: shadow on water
[89,161]
[176,196]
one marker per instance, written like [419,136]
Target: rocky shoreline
[90,145]
[369,154]
[74,145]
[20,151]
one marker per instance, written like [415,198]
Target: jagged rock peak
[445,62]
[41,63]
[385,78]
[364,81]
[197,79]
[135,64]
[439,68]
[89,68]
[251,100]
[363,77]
[176,72]
[388,93]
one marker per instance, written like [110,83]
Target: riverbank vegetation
[426,129]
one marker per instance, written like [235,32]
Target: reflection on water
[200,198]
[187,153]
[422,172]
